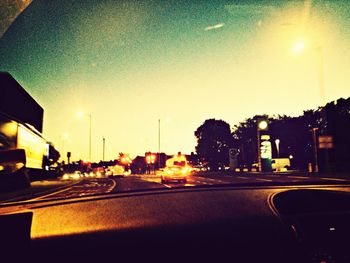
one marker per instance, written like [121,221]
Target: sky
[129,64]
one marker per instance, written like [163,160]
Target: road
[57,189]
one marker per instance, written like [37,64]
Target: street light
[315,149]
[64,137]
[320,56]
[298,46]
[262,125]
[158,143]
[81,114]
[277,141]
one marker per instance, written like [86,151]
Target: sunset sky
[130,63]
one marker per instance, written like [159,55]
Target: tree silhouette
[213,142]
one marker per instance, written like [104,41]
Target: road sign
[265,149]
[325,142]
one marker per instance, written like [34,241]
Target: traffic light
[150,158]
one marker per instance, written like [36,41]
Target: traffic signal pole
[259,150]
[315,150]
[158,143]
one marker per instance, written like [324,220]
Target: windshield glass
[180,163]
[100,94]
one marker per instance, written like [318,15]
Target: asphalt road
[57,189]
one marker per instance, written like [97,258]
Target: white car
[175,173]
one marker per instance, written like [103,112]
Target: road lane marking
[209,179]
[264,180]
[54,193]
[240,177]
[298,177]
[333,179]
[112,187]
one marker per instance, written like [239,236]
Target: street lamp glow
[298,47]
[262,125]
[65,135]
[277,141]
[80,114]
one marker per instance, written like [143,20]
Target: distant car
[175,173]
[280,164]
[177,169]
[118,170]
[75,176]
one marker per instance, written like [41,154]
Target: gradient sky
[130,63]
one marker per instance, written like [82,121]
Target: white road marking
[333,179]
[112,187]
[264,180]
[240,177]
[198,182]
[209,179]
[54,193]
[298,177]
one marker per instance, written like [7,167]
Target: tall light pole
[298,47]
[315,149]
[81,114]
[158,143]
[320,57]
[90,139]
[103,150]
[64,137]
[277,141]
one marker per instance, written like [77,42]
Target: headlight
[186,170]
[169,171]
[65,177]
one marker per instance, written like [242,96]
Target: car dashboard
[219,224]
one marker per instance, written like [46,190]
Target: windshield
[179,163]
[99,95]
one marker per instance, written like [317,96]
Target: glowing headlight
[169,171]
[65,177]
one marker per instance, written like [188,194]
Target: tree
[213,142]
[245,140]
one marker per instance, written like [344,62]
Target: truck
[24,152]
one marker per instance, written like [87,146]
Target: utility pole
[90,139]
[259,149]
[103,152]
[158,143]
[315,150]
